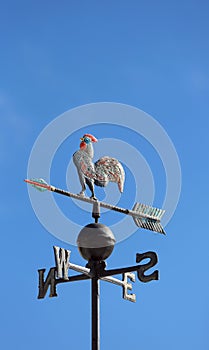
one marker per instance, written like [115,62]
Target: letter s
[142,268]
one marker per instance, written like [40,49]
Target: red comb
[93,139]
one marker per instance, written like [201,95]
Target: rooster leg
[83,185]
[90,184]
[82,193]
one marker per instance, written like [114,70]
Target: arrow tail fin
[149,225]
[153,213]
[152,222]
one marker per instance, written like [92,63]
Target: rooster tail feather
[120,186]
[109,169]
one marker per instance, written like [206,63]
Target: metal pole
[95,294]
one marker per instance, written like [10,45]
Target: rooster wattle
[100,173]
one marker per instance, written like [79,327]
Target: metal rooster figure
[105,170]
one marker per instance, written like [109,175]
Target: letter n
[44,285]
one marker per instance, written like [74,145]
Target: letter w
[62,257]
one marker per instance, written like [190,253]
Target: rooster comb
[93,139]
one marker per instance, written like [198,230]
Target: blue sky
[153,55]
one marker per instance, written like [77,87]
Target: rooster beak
[81,138]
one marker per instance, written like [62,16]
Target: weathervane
[96,241]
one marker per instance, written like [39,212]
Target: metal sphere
[95,242]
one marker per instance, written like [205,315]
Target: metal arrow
[144,216]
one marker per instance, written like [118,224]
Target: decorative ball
[95,242]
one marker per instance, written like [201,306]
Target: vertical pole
[96,211]
[95,293]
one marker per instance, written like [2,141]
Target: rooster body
[100,173]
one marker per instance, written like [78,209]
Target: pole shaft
[95,304]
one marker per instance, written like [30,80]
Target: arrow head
[40,184]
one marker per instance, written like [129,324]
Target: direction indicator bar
[86,271]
